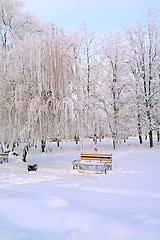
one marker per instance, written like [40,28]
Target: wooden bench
[91,162]
[3,157]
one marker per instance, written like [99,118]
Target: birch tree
[113,95]
[89,59]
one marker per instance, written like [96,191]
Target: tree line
[78,84]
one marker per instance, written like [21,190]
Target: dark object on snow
[32,167]
[14,153]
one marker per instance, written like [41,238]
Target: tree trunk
[114,144]
[150,139]
[95,139]
[43,145]
[158,136]
[146,136]
[76,139]
[24,154]
[2,148]
[140,139]
[139,129]
[57,142]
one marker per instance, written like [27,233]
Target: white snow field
[58,203]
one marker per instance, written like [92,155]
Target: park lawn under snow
[58,203]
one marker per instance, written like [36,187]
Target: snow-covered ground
[58,203]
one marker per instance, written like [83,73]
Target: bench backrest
[95,156]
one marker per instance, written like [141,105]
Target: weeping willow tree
[42,103]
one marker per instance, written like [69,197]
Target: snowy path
[57,203]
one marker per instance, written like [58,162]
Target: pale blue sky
[103,15]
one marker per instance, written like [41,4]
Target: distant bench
[3,157]
[98,162]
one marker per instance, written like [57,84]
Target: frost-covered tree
[14,26]
[113,96]
[10,18]
[144,42]
[71,85]
[88,53]
[11,21]
[43,96]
